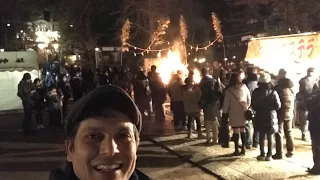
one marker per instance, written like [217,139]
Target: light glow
[42,46]
[171,64]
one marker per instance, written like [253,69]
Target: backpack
[208,91]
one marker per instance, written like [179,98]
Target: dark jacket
[141,89]
[266,102]
[251,82]
[286,94]
[38,98]
[208,90]
[306,87]
[24,92]
[313,106]
[66,173]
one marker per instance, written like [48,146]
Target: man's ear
[69,145]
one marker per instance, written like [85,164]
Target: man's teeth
[108,167]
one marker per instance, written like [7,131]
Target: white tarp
[11,73]
[8,89]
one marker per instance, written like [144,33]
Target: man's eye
[123,136]
[96,137]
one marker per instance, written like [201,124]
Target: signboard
[293,52]
[20,60]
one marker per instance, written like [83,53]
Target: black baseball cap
[107,96]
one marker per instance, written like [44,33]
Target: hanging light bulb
[142,54]
[147,51]
[190,47]
[168,43]
[205,48]
[159,54]
[197,48]
[209,42]
[135,47]
[135,54]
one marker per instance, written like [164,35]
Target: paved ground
[218,160]
[20,156]
[34,157]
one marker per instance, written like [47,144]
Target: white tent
[12,67]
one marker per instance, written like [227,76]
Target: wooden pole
[185,52]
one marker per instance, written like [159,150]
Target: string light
[172,48]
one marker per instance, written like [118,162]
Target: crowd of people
[242,100]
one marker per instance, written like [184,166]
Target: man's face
[104,148]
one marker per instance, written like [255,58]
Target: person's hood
[285,83]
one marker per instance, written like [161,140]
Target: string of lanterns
[197,47]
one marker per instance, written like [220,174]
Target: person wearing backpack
[209,102]
[266,103]
[25,90]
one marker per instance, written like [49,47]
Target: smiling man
[102,136]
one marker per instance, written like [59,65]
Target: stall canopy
[12,67]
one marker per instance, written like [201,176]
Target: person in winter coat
[252,83]
[54,107]
[102,137]
[285,115]
[64,89]
[306,86]
[236,101]
[76,83]
[177,108]
[25,90]
[313,106]
[142,94]
[38,98]
[191,96]
[210,104]
[158,95]
[266,103]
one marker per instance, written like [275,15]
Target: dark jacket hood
[285,83]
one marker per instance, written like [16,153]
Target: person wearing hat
[101,137]
[284,88]
[266,103]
